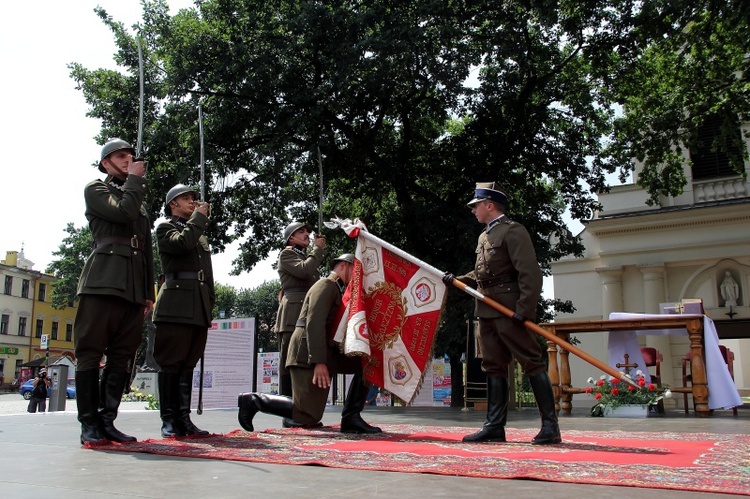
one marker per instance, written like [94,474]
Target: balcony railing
[719,189]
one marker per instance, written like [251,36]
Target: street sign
[9,350]
[43,341]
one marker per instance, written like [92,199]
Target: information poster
[441,383]
[436,386]
[268,372]
[228,363]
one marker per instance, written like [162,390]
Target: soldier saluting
[298,271]
[116,290]
[183,309]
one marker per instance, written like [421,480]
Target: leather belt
[501,279]
[184,275]
[133,241]
[295,290]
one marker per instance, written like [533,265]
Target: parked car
[27,388]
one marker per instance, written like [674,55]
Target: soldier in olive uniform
[507,271]
[116,290]
[183,308]
[298,271]
[313,358]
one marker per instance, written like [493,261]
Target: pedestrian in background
[38,400]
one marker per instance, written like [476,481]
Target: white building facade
[637,257]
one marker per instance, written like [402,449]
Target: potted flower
[612,396]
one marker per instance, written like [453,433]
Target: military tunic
[507,271]
[184,306]
[312,344]
[297,273]
[118,276]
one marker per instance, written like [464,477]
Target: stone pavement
[40,456]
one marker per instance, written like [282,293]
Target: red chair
[653,358]
[687,377]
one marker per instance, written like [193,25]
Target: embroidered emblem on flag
[391,316]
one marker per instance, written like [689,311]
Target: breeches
[309,399]
[501,340]
[179,347]
[107,325]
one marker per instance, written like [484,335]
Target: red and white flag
[392,313]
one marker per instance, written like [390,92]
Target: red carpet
[702,462]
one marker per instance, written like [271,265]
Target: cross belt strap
[184,275]
[133,241]
[501,279]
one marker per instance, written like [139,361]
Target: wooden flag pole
[549,336]
[346,224]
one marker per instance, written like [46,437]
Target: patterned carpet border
[702,462]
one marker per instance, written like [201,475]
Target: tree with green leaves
[410,103]
[226,301]
[261,302]
[67,267]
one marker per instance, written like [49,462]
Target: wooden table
[559,370]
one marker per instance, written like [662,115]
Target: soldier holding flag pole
[506,269]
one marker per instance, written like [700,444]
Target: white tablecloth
[722,392]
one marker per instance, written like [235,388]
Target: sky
[47,140]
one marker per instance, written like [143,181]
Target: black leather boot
[111,386]
[87,400]
[545,401]
[251,404]
[169,386]
[498,395]
[185,393]
[351,414]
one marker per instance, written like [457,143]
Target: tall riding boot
[169,388]
[112,385]
[87,400]
[351,414]
[183,413]
[545,401]
[251,404]
[498,395]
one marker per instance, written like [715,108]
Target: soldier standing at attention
[298,271]
[183,307]
[116,290]
[313,359]
[507,271]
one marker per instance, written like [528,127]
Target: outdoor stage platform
[49,442]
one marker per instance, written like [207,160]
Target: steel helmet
[346,257]
[175,191]
[111,146]
[292,228]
